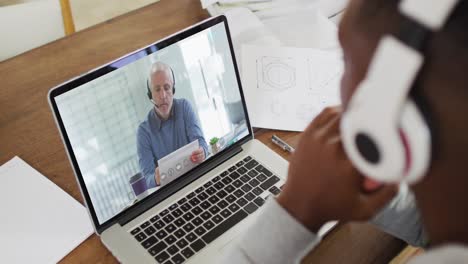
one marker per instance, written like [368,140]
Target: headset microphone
[154,103]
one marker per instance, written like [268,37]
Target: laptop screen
[150,118]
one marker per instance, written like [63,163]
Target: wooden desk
[27,128]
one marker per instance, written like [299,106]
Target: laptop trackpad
[228,244]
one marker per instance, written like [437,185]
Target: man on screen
[169,125]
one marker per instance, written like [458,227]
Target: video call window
[102,117]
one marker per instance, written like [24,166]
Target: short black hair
[447,50]
[382,16]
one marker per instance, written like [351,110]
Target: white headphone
[383,131]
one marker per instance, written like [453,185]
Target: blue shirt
[157,138]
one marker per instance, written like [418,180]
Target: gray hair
[161,67]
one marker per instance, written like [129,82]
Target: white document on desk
[40,222]
[285,88]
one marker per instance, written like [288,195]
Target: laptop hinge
[175,186]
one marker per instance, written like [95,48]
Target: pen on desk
[278,141]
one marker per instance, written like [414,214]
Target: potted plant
[214,143]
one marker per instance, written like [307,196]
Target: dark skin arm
[322,183]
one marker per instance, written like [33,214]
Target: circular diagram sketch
[274,73]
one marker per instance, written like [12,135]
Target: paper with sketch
[285,88]
[177,163]
[40,222]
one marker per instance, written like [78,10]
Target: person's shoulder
[181,101]
[187,104]
[183,104]
[144,126]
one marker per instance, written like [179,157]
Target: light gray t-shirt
[278,238]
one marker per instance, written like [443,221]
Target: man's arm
[145,157]
[193,128]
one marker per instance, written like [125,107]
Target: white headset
[383,131]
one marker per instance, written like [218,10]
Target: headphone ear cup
[373,144]
[416,136]
[384,152]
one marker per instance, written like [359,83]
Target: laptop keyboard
[187,226]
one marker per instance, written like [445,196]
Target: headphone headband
[383,131]
[433,15]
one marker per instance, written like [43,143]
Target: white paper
[227,2]
[177,163]
[28,25]
[280,8]
[285,88]
[206,3]
[307,28]
[332,8]
[40,222]
[246,28]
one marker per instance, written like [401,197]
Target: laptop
[114,140]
